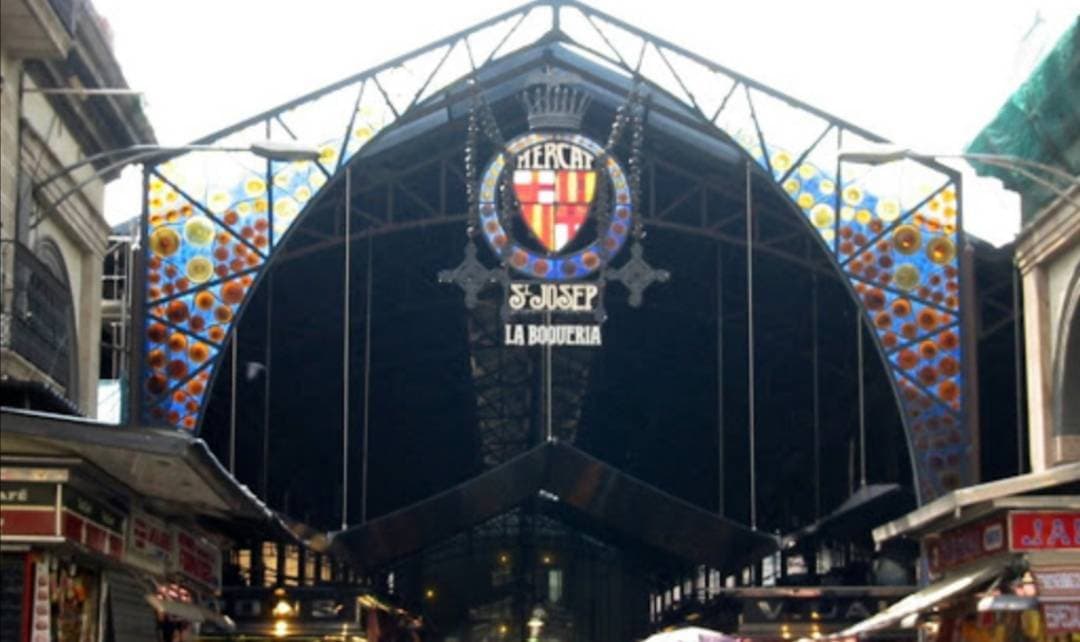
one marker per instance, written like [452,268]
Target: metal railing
[39,317]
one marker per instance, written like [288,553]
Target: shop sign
[1057,581]
[197,560]
[964,544]
[1044,530]
[91,524]
[27,509]
[150,542]
[1061,617]
[556,210]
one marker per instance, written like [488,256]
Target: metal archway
[213,222]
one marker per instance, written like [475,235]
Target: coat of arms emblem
[555,207]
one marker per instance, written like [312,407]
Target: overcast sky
[925,74]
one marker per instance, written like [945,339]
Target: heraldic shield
[554,203]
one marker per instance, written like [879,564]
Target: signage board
[964,544]
[1057,582]
[1061,617]
[1044,530]
[150,542]
[92,524]
[27,509]
[197,560]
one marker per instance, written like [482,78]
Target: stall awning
[965,582]
[189,612]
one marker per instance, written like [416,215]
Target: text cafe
[84,563]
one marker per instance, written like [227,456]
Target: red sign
[197,560]
[27,521]
[1044,531]
[91,524]
[965,544]
[1061,617]
[150,542]
[27,509]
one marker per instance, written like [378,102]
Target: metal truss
[778,134]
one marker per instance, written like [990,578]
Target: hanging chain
[470,173]
[637,140]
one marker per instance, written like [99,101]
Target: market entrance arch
[215,223]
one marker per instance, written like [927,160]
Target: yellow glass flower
[164,241]
[863,216]
[852,195]
[254,187]
[792,185]
[199,231]
[807,171]
[199,269]
[888,210]
[906,276]
[826,186]
[286,208]
[317,180]
[907,239]
[847,213]
[260,205]
[940,250]
[781,161]
[805,200]
[218,201]
[822,215]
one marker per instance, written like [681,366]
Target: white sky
[928,74]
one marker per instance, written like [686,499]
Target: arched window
[45,315]
[1067,363]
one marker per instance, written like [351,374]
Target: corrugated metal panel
[131,617]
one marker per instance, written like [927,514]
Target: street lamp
[880,154]
[284,151]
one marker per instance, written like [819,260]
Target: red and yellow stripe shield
[554,203]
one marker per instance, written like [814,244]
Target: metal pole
[862,399]
[750,343]
[547,385]
[367,383]
[1018,364]
[816,390]
[347,316]
[266,390]
[719,379]
[232,399]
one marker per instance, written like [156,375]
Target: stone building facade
[56,59]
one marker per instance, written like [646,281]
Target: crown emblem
[552,102]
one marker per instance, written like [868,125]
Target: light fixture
[284,151]
[282,609]
[430,594]
[878,154]
[281,628]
